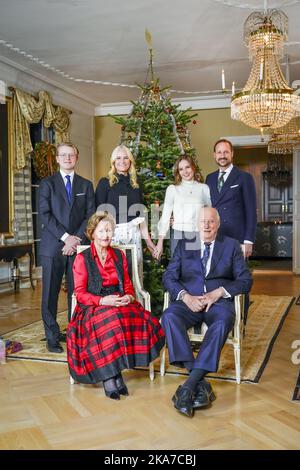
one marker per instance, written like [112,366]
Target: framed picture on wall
[6,167]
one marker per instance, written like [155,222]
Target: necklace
[189,186]
[102,257]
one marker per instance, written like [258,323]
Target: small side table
[10,253]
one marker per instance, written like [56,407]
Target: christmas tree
[156,132]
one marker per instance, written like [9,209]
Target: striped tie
[221,181]
[205,256]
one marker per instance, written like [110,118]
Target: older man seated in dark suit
[202,279]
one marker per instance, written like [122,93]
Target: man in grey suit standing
[66,201]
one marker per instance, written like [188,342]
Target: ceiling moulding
[247,140]
[20,77]
[195,102]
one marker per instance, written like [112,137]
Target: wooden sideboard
[9,253]
[273,240]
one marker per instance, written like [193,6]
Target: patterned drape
[29,110]
[22,205]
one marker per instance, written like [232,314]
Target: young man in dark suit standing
[66,201]
[233,194]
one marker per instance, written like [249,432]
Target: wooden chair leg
[237,360]
[72,381]
[163,362]
[151,371]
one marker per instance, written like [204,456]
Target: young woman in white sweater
[182,202]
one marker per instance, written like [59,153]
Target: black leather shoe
[62,337]
[54,348]
[211,394]
[111,390]
[113,394]
[183,401]
[204,394]
[122,389]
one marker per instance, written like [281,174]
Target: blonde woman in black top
[120,194]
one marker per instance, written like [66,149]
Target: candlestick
[233,88]
[223,80]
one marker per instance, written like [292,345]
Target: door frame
[259,141]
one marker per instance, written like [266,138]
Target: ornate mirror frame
[6,167]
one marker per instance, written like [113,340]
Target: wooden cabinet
[10,253]
[273,240]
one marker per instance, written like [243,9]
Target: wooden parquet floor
[41,410]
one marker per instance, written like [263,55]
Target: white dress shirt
[208,264]
[226,172]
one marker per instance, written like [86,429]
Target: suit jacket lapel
[231,178]
[61,187]
[198,255]
[217,253]
[74,189]
[215,195]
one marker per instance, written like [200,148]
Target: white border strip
[248,140]
[197,102]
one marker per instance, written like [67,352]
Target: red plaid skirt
[104,340]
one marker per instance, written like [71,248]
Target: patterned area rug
[265,318]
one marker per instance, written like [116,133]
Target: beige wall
[211,125]
[107,135]
[81,134]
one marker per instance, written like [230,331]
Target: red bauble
[194,121]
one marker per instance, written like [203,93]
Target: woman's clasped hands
[116,300]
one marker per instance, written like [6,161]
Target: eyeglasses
[71,155]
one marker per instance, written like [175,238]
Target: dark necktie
[221,181]
[205,256]
[69,188]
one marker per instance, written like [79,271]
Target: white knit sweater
[184,201]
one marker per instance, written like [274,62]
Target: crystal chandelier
[266,101]
[285,139]
[276,172]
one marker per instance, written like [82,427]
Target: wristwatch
[182,293]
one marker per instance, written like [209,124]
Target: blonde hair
[67,144]
[95,219]
[112,177]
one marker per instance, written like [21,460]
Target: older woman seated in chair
[109,330]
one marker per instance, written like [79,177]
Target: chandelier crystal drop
[266,101]
[277,171]
[285,139]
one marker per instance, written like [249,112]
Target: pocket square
[234,186]
[80,194]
